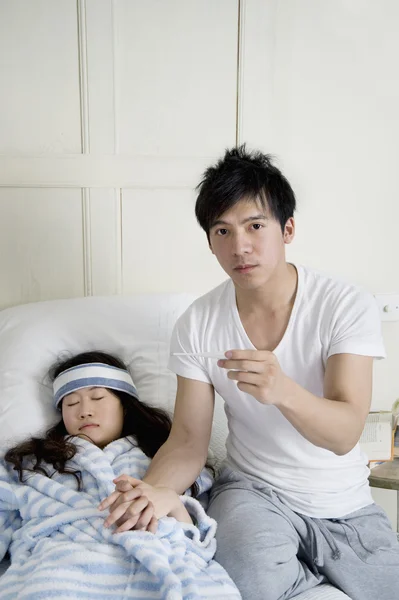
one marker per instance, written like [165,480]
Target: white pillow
[34,336]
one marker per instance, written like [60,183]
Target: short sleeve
[183,340]
[356,326]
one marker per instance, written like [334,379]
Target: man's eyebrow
[260,217]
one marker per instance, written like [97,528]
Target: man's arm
[334,422]
[175,466]
[179,461]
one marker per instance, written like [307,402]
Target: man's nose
[241,244]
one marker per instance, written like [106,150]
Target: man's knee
[257,549]
[254,572]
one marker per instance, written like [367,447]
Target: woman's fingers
[109,500]
[132,480]
[127,525]
[127,511]
[153,525]
[123,486]
[137,520]
[145,518]
[128,507]
[125,498]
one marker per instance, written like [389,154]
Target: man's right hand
[138,505]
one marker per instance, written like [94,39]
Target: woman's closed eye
[77,402]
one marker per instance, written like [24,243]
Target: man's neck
[276,296]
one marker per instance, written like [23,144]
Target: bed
[137,328]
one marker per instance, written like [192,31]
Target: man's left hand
[257,373]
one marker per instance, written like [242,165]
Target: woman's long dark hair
[148,425]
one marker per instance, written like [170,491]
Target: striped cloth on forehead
[92,375]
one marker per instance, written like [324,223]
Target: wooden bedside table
[386,476]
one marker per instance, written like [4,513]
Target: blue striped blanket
[60,548]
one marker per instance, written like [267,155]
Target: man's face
[249,244]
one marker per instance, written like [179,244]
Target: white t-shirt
[328,317]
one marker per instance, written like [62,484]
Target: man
[293,504]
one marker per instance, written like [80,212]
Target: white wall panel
[175,78]
[39,74]
[41,245]
[103,237]
[97,32]
[163,247]
[330,95]
[100,171]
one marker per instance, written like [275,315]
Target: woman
[51,489]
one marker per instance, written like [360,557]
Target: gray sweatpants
[274,553]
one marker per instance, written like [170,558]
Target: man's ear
[289,231]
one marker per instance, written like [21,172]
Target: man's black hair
[243,175]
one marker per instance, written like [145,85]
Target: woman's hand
[129,507]
[138,505]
